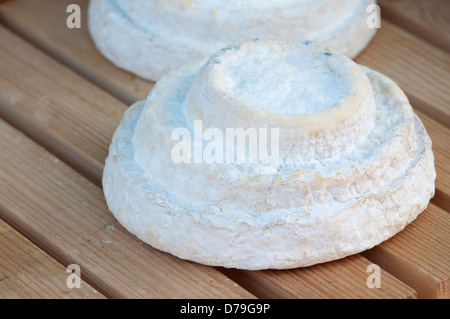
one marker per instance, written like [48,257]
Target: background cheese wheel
[152,37]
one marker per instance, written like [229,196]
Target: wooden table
[60,102]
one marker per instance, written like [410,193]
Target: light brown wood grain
[428,19]
[424,263]
[28,272]
[67,216]
[341,279]
[73,47]
[57,97]
[421,70]
[44,92]
[4,227]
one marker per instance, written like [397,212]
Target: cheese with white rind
[314,206]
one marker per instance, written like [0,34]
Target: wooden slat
[425,262]
[421,70]
[28,272]
[428,19]
[49,31]
[66,214]
[341,279]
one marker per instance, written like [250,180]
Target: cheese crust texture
[355,164]
[152,37]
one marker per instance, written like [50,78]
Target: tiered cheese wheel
[152,37]
[353,162]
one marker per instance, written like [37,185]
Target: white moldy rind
[308,212]
[152,37]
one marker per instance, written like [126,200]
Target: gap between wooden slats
[428,19]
